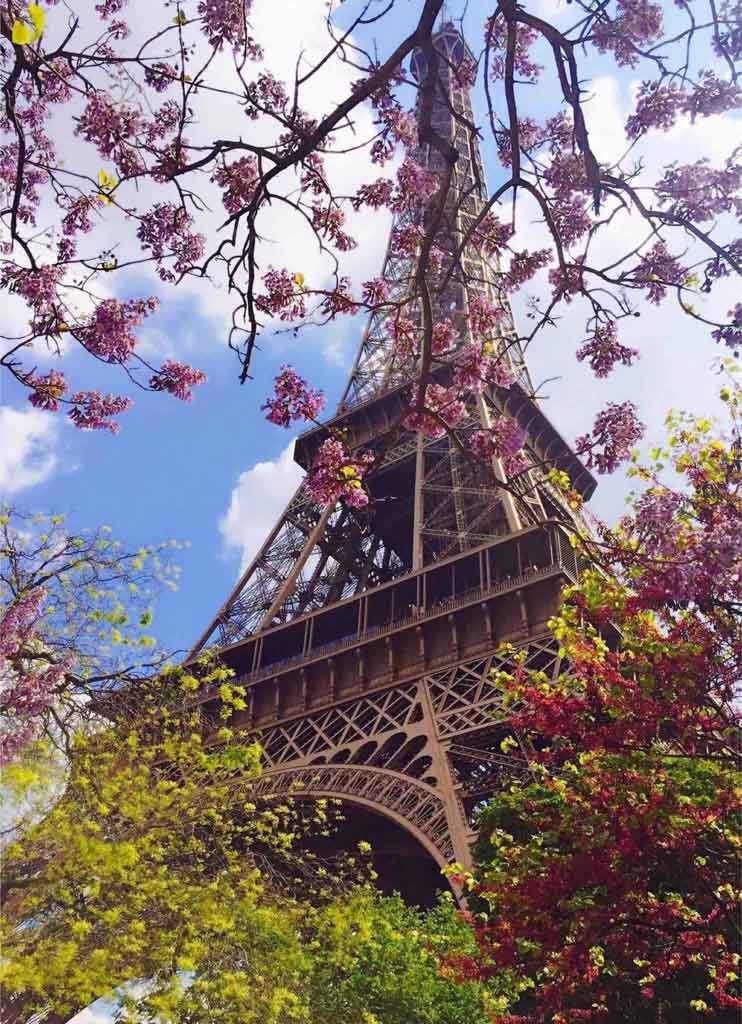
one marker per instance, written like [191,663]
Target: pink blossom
[478,365]
[559,133]
[113,129]
[700,192]
[485,319]
[284,297]
[110,8]
[109,332]
[165,120]
[172,158]
[658,105]
[530,137]
[47,390]
[731,334]
[491,235]
[54,85]
[165,231]
[405,335]
[339,300]
[376,194]
[603,350]
[27,688]
[465,72]
[238,180]
[656,270]
[381,151]
[616,429]
[313,176]
[504,440]
[375,291]
[496,33]
[18,622]
[79,216]
[524,265]
[571,219]
[328,222]
[566,283]
[293,399]
[403,126]
[637,22]
[161,75]
[336,474]
[407,239]
[415,186]
[178,379]
[266,93]
[93,411]
[66,250]
[444,404]
[38,287]
[713,95]
[225,21]
[444,336]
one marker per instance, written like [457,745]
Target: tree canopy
[609,877]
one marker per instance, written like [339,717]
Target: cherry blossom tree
[75,607]
[608,875]
[193,207]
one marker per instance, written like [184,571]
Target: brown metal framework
[368,638]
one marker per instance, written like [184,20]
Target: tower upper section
[446,124]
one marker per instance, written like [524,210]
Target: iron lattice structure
[367,638]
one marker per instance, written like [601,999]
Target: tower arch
[414,806]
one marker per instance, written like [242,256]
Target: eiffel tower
[368,638]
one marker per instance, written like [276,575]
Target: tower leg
[458,826]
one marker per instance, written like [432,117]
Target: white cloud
[27,448]
[94,1016]
[257,501]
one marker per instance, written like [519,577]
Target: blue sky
[176,470]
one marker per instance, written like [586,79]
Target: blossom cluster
[109,333]
[46,391]
[496,34]
[338,475]
[178,379]
[604,351]
[659,105]
[225,21]
[503,440]
[238,180]
[440,408]
[731,334]
[293,399]
[658,269]
[93,411]
[165,231]
[29,674]
[636,23]
[285,296]
[616,430]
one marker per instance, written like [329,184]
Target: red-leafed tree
[609,877]
[144,166]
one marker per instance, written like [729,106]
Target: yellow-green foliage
[158,879]
[144,859]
